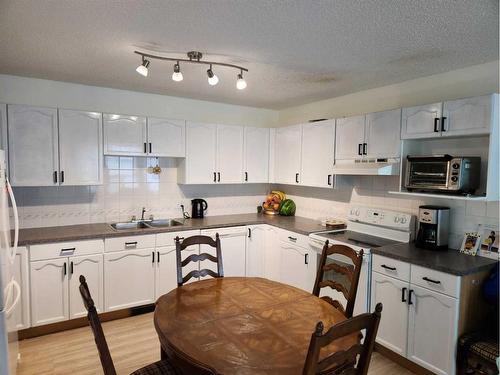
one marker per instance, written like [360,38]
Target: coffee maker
[198,208]
[433,223]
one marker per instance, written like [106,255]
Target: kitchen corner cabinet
[288,153]
[349,137]
[125,135]
[256,155]
[33,146]
[318,151]
[166,138]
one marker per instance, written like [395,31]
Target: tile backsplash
[129,185]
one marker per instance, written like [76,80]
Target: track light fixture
[194,57]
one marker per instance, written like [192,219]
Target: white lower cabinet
[295,266]
[432,330]
[129,279]
[232,241]
[165,270]
[256,250]
[90,266]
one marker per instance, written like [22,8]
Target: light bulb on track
[212,78]
[177,74]
[143,68]
[241,84]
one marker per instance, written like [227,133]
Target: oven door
[427,173]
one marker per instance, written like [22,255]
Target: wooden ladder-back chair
[198,240]
[350,272]
[353,361]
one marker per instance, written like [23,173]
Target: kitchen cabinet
[256,155]
[90,266]
[318,152]
[469,116]
[349,137]
[21,275]
[165,270]
[383,134]
[421,121]
[233,241]
[432,330]
[80,148]
[294,265]
[125,135]
[199,166]
[33,146]
[393,328]
[288,153]
[129,278]
[229,165]
[49,291]
[256,248]
[166,138]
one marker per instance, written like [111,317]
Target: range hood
[371,167]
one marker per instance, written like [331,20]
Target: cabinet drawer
[435,280]
[168,239]
[129,243]
[294,238]
[391,267]
[225,232]
[65,249]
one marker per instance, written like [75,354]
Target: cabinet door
[166,270]
[256,251]
[49,291]
[129,279]
[232,242]
[256,155]
[383,134]
[33,145]
[21,275]
[318,151]
[432,334]
[392,332]
[201,141]
[80,147]
[166,137]
[294,266]
[229,154]
[349,135]
[272,254]
[124,135]
[420,122]
[90,266]
[288,154]
[467,116]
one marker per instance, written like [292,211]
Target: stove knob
[455,165]
[403,220]
[454,178]
[357,212]
[396,219]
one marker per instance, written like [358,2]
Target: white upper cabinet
[80,148]
[33,146]
[256,155]
[166,137]
[467,116]
[125,135]
[422,121]
[229,154]
[201,150]
[288,154]
[349,137]
[318,151]
[383,134]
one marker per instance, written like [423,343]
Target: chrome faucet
[142,214]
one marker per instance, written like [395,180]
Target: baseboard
[402,361]
[29,333]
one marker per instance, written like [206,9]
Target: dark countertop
[31,236]
[448,261]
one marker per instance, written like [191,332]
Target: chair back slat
[95,324]
[350,273]
[352,361]
[198,240]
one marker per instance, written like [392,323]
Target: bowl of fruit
[273,201]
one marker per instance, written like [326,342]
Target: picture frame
[471,243]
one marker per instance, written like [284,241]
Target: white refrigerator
[10,291]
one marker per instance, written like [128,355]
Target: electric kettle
[199,206]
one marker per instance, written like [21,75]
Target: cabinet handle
[329,180]
[409,297]
[55,177]
[364,148]
[403,294]
[249,233]
[64,269]
[145,148]
[431,281]
[158,256]
[152,257]
[215,177]
[68,249]
[388,268]
[181,238]
[150,148]
[71,268]
[436,125]
[218,176]
[306,259]
[443,129]
[246,176]
[131,243]
[62,177]
[296,177]
[292,238]
[360,146]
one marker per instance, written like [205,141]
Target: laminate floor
[133,343]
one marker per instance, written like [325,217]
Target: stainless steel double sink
[146,224]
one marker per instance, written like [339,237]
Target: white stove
[367,228]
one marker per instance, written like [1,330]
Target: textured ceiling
[297,51]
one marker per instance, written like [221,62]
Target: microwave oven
[443,173]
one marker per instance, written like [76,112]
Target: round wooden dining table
[239,325]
